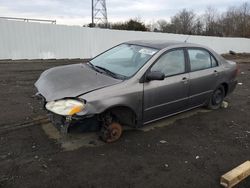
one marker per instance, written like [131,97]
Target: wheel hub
[217,98]
[112,132]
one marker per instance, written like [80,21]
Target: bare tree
[211,22]
[153,26]
[236,21]
[183,22]
[198,27]
[244,19]
[229,22]
[162,24]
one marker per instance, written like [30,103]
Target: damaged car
[135,83]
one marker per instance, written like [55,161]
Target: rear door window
[200,59]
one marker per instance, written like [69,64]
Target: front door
[168,96]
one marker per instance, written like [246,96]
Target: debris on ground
[163,141]
[224,104]
[197,157]
[3,156]
[240,83]
[44,166]
[92,142]
[236,175]
[232,52]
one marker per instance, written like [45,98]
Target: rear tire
[217,98]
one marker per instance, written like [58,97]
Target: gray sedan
[135,83]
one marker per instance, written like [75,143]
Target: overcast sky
[78,12]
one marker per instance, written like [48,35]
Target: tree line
[234,22]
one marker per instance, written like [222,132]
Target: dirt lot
[200,145]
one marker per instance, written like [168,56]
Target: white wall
[22,40]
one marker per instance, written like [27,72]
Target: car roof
[161,44]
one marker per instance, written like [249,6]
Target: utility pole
[99,13]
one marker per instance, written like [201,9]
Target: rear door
[204,75]
[168,96]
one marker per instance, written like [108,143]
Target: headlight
[65,107]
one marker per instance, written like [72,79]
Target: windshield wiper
[118,76]
[94,67]
[108,72]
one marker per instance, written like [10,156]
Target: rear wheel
[111,133]
[217,98]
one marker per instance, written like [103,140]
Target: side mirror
[155,75]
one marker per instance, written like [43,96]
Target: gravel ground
[199,148]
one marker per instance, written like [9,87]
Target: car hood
[71,81]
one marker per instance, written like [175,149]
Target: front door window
[171,63]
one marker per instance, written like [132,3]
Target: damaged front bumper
[67,123]
[60,122]
[64,124]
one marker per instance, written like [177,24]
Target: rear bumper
[232,86]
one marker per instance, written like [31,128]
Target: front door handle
[185,80]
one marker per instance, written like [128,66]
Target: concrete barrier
[22,40]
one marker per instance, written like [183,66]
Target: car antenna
[187,38]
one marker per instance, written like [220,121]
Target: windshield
[124,60]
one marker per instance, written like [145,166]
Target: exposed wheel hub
[111,132]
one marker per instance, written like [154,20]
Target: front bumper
[67,123]
[60,122]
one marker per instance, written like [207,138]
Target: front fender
[100,100]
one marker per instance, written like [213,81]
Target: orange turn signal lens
[75,110]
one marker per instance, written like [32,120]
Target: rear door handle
[216,73]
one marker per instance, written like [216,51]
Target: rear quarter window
[213,61]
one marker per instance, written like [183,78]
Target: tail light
[237,71]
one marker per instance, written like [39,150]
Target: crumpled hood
[71,81]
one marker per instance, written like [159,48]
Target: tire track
[34,122]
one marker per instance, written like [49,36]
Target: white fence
[21,40]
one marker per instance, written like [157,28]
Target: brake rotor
[112,132]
